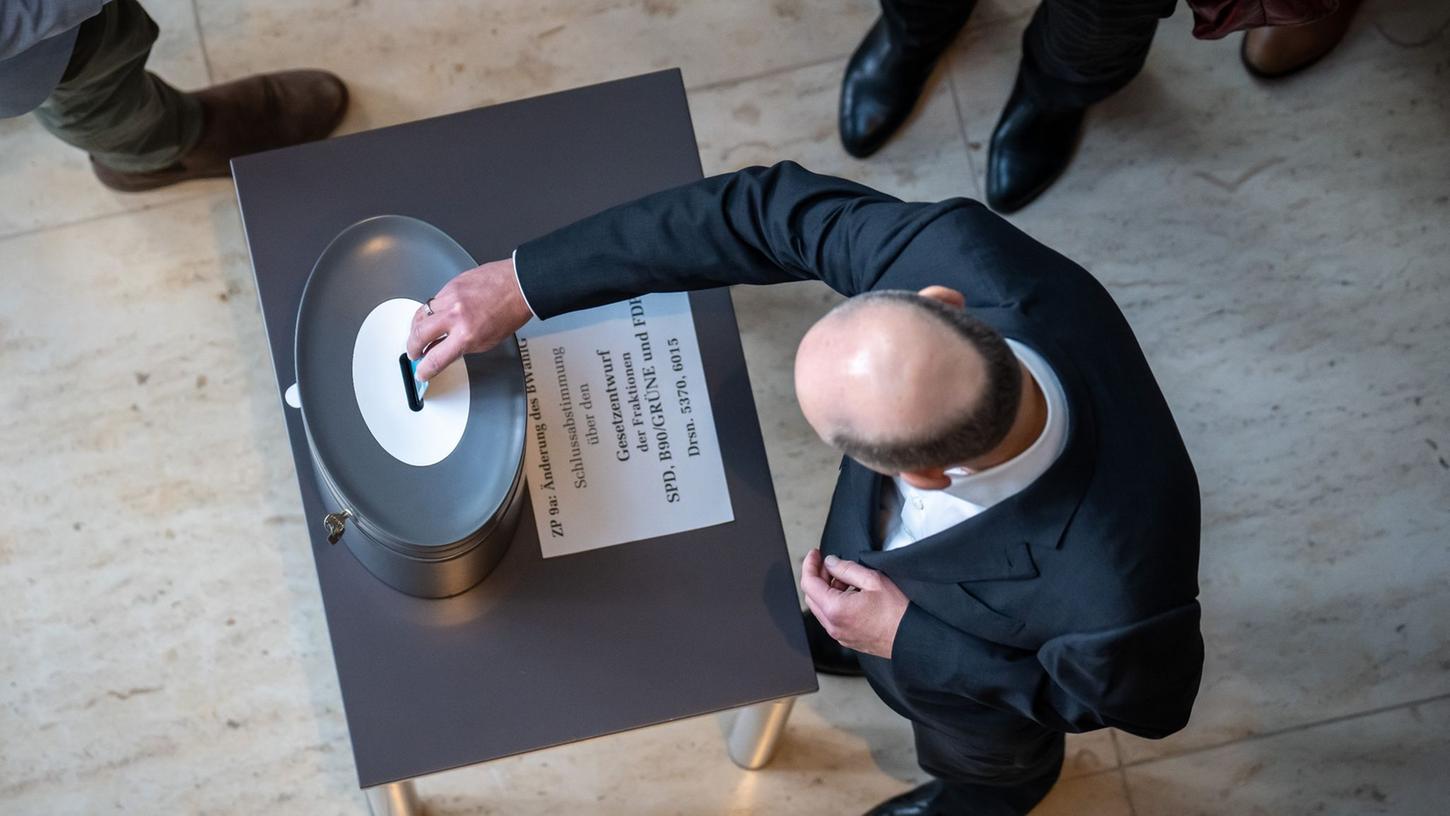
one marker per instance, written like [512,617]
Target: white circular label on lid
[418,438]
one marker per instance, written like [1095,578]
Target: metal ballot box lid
[425,488]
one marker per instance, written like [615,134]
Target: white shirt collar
[987,487]
[911,514]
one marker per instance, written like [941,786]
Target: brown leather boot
[1270,53]
[246,116]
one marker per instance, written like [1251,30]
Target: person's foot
[930,799]
[249,115]
[829,656]
[1273,52]
[1030,148]
[882,83]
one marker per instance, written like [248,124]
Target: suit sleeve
[1141,677]
[759,225]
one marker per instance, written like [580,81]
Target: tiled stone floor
[1283,252]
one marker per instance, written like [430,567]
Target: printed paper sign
[622,442]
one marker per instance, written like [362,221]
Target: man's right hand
[473,313]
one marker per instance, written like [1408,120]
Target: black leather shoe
[829,656]
[1030,148]
[931,799]
[883,80]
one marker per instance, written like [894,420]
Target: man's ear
[929,479]
[947,295]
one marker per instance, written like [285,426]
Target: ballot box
[551,646]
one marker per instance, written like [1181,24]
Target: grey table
[543,652]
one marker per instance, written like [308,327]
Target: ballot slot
[410,382]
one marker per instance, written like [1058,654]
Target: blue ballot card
[413,389]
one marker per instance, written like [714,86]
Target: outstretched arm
[759,225]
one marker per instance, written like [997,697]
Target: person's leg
[1008,780]
[1078,52]
[110,106]
[143,134]
[926,26]
[889,68]
[1074,53]
[1004,778]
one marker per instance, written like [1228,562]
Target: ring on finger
[428,306]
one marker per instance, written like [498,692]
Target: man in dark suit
[1011,552]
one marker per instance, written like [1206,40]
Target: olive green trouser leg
[110,106]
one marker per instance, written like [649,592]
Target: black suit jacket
[1070,605]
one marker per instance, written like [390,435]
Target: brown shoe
[246,116]
[1270,53]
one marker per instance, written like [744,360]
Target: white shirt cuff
[514,260]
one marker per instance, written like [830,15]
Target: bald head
[902,381]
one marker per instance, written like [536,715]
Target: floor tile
[842,753]
[1392,763]
[411,60]
[44,181]
[1097,795]
[165,648]
[835,757]
[1279,250]
[794,115]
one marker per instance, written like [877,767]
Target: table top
[544,651]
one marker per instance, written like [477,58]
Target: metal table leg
[757,731]
[394,799]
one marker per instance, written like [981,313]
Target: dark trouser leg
[1078,52]
[110,106]
[926,25]
[1006,779]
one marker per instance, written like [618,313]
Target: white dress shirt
[909,514]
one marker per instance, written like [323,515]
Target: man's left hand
[858,606]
